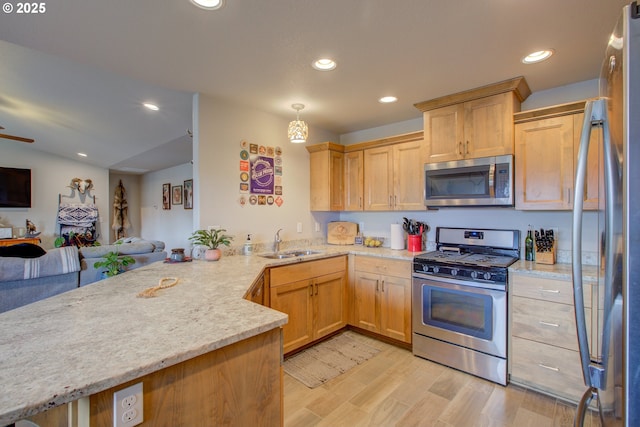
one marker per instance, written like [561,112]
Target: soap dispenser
[247,249]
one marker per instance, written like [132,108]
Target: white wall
[172,226]
[379,223]
[132,185]
[50,176]
[218,130]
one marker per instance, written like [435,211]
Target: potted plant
[112,263]
[211,239]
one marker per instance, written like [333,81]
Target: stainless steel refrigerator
[611,366]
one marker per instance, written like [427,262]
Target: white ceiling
[89,64]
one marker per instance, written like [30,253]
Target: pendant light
[298,130]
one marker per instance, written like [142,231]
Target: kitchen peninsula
[89,340]
[100,338]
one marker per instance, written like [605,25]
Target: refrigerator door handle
[591,107]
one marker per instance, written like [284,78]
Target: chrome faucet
[276,241]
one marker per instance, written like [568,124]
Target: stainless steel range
[460,300]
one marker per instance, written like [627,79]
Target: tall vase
[212,254]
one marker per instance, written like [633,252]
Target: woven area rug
[322,362]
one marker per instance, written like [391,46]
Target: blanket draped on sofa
[60,261]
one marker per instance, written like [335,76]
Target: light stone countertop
[93,338]
[553,271]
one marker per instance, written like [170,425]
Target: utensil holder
[414,242]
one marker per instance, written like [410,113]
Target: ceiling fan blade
[16,138]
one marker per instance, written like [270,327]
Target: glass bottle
[528,245]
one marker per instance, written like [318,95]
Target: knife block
[548,257]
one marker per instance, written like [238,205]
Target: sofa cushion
[123,249]
[22,250]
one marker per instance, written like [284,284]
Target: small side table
[11,242]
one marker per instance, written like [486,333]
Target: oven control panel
[469,273]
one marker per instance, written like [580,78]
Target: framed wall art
[188,194]
[176,195]
[166,196]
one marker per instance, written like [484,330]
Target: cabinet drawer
[547,289]
[307,269]
[390,267]
[548,368]
[546,322]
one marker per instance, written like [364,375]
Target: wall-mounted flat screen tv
[15,188]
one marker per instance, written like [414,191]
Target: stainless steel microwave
[486,181]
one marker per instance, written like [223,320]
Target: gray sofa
[26,280]
[143,251]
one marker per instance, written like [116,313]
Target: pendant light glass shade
[298,130]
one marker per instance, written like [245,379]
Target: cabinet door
[395,307]
[329,300]
[353,179]
[488,126]
[408,169]
[326,181]
[444,133]
[378,178]
[295,299]
[544,164]
[366,287]
[594,186]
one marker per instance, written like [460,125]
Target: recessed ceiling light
[82,155]
[208,4]
[324,64]
[387,99]
[150,106]
[538,56]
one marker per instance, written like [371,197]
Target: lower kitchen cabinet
[313,294]
[381,297]
[544,345]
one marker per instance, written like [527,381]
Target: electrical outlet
[317,227]
[127,406]
[299,227]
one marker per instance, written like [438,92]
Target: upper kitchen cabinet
[327,176]
[471,124]
[393,175]
[546,151]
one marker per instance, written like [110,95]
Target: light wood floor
[395,388]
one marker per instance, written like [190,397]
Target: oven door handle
[492,180]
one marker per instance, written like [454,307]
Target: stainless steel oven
[460,300]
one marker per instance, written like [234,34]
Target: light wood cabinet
[393,177]
[354,180]
[326,177]
[478,128]
[313,294]
[472,124]
[257,292]
[546,152]
[544,344]
[381,297]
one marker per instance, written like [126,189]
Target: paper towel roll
[397,237]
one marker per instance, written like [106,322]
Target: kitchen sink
[277,256]
[289,254]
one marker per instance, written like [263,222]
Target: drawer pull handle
[542,322]
[551,368]
[550,291]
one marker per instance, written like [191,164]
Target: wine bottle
[528,246]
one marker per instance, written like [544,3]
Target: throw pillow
[22,250]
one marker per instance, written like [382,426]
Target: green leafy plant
[211,238]
[113,263]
